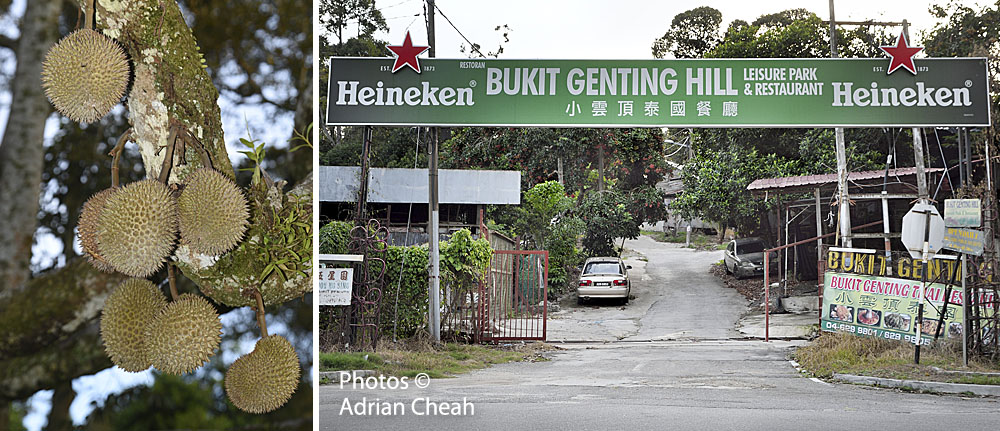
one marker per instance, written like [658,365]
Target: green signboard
[660,93]
[886,307]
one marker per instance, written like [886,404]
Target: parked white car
[604,277]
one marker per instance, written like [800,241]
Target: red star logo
[406,54]
[902,55]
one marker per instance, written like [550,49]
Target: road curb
[947,388]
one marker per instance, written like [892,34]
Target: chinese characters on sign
[886,307]
[335,285]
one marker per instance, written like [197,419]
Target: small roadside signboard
[962,213]
[335,285]
[915,226]
[967,241]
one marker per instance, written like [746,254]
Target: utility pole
[842,200]
[918,144]
[434,270]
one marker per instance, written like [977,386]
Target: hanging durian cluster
[135,229]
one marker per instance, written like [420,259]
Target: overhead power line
[472,45]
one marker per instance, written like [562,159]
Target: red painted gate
[513,299]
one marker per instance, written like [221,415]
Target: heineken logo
[406,54]
[844,94]
[901,55]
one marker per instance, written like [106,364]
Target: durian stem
[168,160]
[260,313]
[172,278]
[116,154]
[88,15]
[206,159]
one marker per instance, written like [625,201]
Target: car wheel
[728,271]
[579,300]
[625,300]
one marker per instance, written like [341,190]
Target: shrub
[404,292]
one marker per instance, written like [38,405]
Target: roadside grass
[849,354]
[446,360]
[699,240]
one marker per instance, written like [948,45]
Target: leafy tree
[544,220]
[715,187]
[337,15]
[774,36]
[783,18]
[967,32]
[606,218]
[691,34]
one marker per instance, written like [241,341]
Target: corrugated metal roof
[341,184]
[765,184]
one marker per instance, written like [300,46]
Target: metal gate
[513,300]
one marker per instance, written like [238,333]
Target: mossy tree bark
[170,85]
[50,322]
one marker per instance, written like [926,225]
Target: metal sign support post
[947,298]
[923,287]
[767,297]
[434,295]
[885,216]
[965,317]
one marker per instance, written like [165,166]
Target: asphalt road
[669,360]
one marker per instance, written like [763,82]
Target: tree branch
[72,357]
[7,42]
[53,306]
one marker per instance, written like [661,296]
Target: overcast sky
[622,29]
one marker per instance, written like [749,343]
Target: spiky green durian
[183,335]
[212,212]
[264,379]
[124,320]
[84,75]
[138,228]
[87,228]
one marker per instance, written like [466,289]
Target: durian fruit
[212,212]
[138,228]
[264,379]
[124,321]
[84,75]
[182,336]
[87,228]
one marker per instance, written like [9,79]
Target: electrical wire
[394,5]
[471,45]
[947,171]
[406,243]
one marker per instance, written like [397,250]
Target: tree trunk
[21,149]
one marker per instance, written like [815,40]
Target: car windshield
[602,268]
[750,247]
